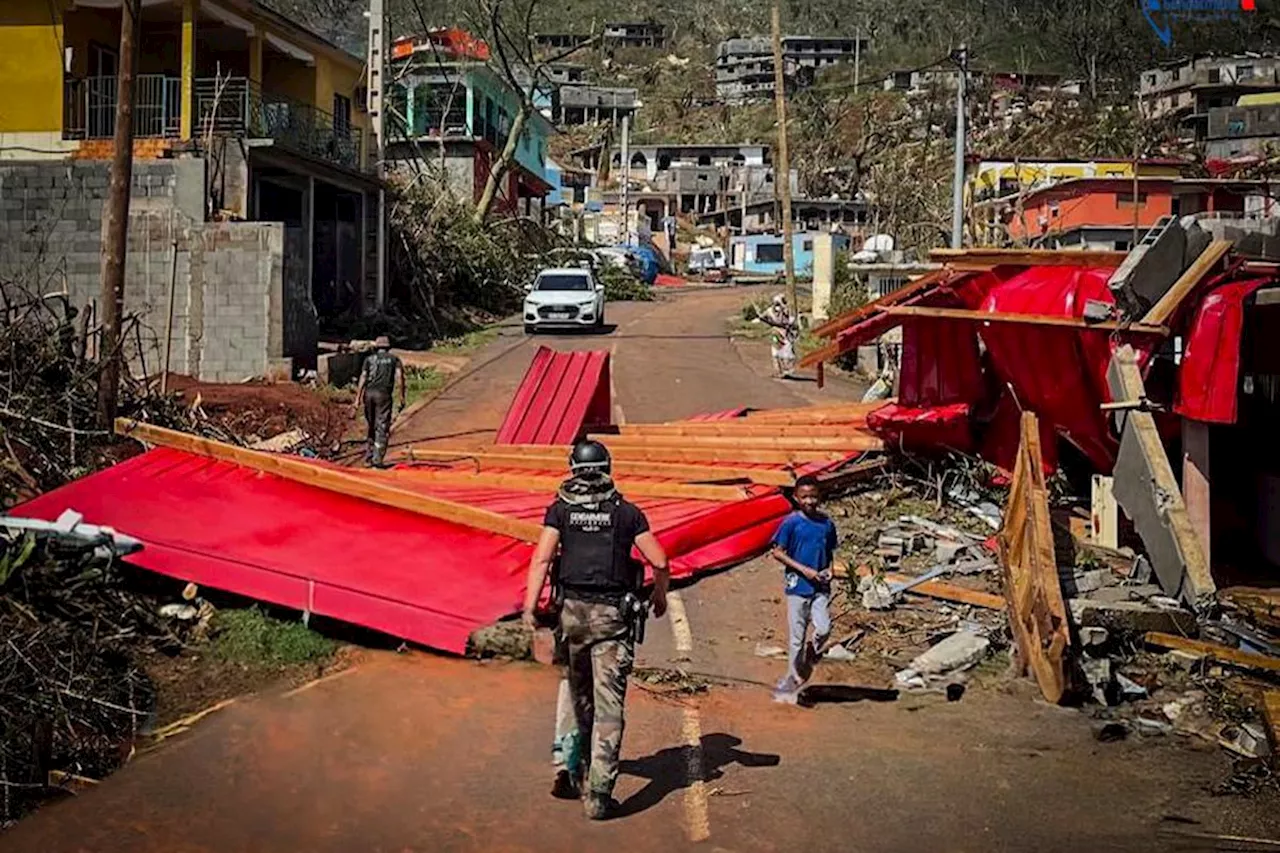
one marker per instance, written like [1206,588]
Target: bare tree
[510,27]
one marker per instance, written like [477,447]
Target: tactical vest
[593,559]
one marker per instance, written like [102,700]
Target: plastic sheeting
[425,580]
[562,394]
[1209,379]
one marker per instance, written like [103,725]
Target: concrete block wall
[229,300]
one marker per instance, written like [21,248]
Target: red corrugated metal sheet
[1209,379]
[428,581]
[562,394]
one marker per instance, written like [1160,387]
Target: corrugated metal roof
[562,393]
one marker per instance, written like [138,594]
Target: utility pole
[782,178]
[115,217]
[857,59]
[1137,136]
[376,62]
[961,57]
[626,179]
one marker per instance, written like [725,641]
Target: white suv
[565,297]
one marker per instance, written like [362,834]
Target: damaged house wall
[241,302]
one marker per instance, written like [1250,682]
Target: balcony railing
[240,107]
[89,107]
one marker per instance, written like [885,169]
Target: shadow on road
[576,331]
[674,769]
[834,694]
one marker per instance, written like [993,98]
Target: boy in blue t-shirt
[805,545]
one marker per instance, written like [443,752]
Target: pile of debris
[935,594]
[72,695]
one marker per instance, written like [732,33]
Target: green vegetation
[252,637]
[621,286]
[467,343]
[422,382]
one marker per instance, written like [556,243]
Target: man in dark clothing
[378,379]
[595,529]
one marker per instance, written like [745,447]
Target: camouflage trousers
[601,652]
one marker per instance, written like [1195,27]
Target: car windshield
[563,282]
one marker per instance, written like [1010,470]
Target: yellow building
[992,179]
[241,118]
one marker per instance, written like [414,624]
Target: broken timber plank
[689,473]
[961,314]
[943,590]
[836,325]
[1213,650]
[1165,309]
[1259,606]
[1146,489]
[975,258]
[854,442]
[333,480]
[834,481]
[531,483]
[1037,613]
[713,428]
[1271,711]
[703,454]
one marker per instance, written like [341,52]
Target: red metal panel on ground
[562,394]
[1209,379]
[428,581]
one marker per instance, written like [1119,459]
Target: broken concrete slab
[1079,583]
[1151,268]
[1129,617]
[1148,492]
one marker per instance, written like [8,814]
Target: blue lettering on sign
[1161,14]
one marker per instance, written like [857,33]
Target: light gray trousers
[801,654]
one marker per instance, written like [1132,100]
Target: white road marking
[679,626]
[697,821]
[618,418]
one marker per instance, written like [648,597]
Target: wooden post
[782,172]
[1196,490]
[187,107]
[115,216]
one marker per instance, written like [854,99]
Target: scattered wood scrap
[1260,606]
[941,590]
[1037,613]
[1271,711]
[334,480]
[1217,652]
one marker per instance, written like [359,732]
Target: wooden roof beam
[687,472]
[332,479]
[964,315]
[852,443]
[549,485]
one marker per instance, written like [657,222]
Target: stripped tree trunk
[502,164]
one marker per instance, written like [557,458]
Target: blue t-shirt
[810,542]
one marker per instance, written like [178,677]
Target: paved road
[419,752]
[671,359]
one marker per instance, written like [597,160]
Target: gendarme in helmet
[590,456]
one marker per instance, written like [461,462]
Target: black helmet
[590,456]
